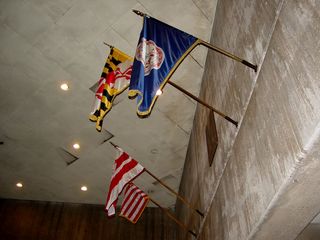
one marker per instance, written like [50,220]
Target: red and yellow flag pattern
[115,78]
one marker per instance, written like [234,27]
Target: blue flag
[160,50]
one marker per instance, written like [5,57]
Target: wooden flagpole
[182,225]
[174,192]
[234,57]
[114,145]
[212,47]
[201,42]
[108,45]
[203,103]
[166,186]
[195,98]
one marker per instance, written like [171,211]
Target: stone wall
[261,167]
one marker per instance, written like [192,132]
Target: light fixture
[19,185]
[64,87]
[76,146]
[159,92]
[84,188]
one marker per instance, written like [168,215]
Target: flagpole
[174,192]
[234,57]
[182,225]
[114,145]
[217,49]
[195,98]
[203,103]
[108,45]
[166,186]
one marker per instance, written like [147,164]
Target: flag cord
[219,50]
[203,103]
[173,217]
[174,192]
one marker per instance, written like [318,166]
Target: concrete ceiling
[316,219]
[45,43]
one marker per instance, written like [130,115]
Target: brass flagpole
[203,103]
[110,46]
[212,47]
[195,98]
[174,192]
[201,42]
[182,225]
[166,186]
[234,57]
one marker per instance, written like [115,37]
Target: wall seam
[300,157]
[240,122]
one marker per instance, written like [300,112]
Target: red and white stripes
[126,170]
[134,202]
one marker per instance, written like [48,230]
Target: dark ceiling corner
[94,87]
[107,136]
[68,157]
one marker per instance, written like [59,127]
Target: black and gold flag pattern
[114,80]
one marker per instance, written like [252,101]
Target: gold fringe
[134,92]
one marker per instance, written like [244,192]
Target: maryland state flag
[114,80]
[160,50]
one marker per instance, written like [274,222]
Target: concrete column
[265,181]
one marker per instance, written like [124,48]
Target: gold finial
[139,13]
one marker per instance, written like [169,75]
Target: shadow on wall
[311,232]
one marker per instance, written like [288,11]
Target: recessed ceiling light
[159,92]
[84,188]
[76,146]
[64,87]
[19,185]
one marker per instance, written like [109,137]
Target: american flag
[134,202]
[126,170]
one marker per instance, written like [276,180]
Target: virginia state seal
[150,55]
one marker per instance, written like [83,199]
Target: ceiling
[316,219]
[46,43]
